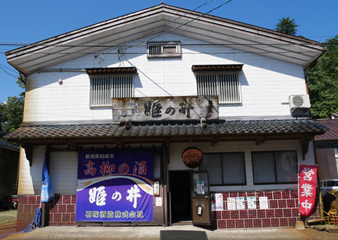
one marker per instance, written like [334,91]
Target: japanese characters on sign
[165,108]
[115,186]
[307,189]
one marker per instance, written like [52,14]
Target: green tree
[287,25]
[11,111]
[3,118]
[323,82]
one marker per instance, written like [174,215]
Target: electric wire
[9,68]
[162,26]
[8,72]
[161,34]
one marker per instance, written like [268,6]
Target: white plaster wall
[266,83]
[30,177]
[247,147]
[63,165]
[63,172]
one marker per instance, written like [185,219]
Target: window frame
[231,184]
[111,77]
[220,84]
[275,168]
[168,44]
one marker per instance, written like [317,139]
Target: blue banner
[47,192]
[115,186]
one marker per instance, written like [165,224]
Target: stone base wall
[61,210]
[27,206]
[282,212]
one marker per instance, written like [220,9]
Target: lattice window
[164,49]
[226,85]
[105,87]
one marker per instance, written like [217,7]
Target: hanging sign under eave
[165,108]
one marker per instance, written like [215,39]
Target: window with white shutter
[110,84]
[221,80]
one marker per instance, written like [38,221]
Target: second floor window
[104,87]
[225,85]
[220,80]
[108,83]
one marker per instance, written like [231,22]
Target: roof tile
[139,129]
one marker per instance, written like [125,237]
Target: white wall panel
[247,147]
[63,172]
[30,177]
[266,83]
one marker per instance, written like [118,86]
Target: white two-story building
[162,116]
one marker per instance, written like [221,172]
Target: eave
[157,19]
[167,132]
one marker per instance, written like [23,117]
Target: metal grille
[225,85]
[104,88]
[155,49]
[164,49]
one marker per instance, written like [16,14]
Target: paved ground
[7,229]
[152,233]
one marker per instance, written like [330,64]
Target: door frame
[170,215]
[201,201]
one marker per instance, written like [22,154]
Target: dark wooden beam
[214,141]
[72,145]
[260,141]
[305,141]
[29,152]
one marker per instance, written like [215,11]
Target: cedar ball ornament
[192,157]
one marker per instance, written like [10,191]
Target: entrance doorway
[180,188]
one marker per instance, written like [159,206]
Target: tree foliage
[287,25]
[323,82]
[11,112]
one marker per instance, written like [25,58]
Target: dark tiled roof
[8,146]
[169,129]
[332,133]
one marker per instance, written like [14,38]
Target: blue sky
[29,21]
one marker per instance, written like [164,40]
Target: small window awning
[227,67]
[111,70]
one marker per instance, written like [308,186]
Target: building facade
[9,159]
[327,149]
[143,116]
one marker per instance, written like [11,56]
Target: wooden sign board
[165,108]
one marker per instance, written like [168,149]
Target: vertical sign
[115,186]
[307,189]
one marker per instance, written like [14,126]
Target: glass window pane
[212,163]
[286,166]
[332,183]
[263,167]
[201,186]
[233,168]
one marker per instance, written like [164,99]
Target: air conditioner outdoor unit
[299,104]
[299,101]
